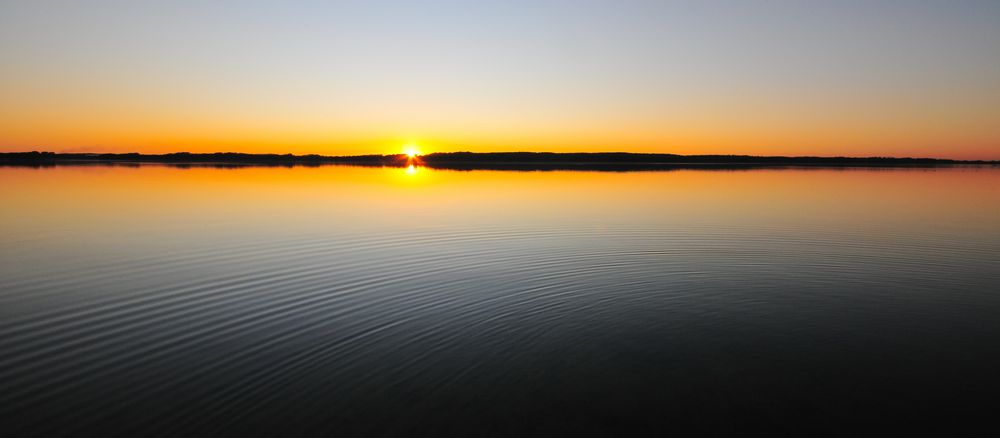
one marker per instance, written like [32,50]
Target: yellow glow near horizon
[411,150]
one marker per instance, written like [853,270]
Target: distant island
[614,161]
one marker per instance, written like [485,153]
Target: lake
[143,300]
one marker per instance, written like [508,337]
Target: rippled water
[340,300]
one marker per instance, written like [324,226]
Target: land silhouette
[611,161]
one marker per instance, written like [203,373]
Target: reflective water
[340,300]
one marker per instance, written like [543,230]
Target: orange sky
[788,79]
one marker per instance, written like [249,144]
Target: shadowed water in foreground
[382,301]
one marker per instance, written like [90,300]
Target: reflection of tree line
[473,161]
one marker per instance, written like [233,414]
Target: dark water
[347,301]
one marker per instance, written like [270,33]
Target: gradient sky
[845,77]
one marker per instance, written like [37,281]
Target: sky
[828,78]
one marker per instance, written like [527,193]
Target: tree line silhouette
[480,160]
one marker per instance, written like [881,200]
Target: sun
[411,150]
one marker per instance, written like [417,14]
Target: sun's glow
[411,170]
[411,150]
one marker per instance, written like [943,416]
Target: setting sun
[411,151]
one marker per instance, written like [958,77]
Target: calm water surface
[340,300]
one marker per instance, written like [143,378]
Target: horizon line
[467,161]
[483,154]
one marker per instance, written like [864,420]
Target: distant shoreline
[611,161]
